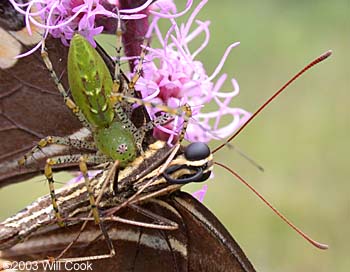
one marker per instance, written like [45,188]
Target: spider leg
[67,100]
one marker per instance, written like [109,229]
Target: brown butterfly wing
[201,243]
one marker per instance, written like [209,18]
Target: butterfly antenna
[263,106]
[279,214]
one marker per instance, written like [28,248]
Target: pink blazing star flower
[172,76]
[63,18]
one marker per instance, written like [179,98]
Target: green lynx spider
[98,104]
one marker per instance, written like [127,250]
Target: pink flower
[172,76]
[63,18]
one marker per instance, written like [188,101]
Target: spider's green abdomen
[117,143]
[90,82]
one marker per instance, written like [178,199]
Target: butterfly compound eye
[197,151]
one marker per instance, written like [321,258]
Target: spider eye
[197,151]
[122,149]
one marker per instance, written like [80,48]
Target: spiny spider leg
[120,81]
[118,76]
[84,170]
[79,144]
[138,70]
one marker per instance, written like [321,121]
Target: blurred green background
[301,139]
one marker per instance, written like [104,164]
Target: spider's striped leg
[67,100]
[84,170]
[83,160]
[79,144]
[138,70]
[168,116]
[118,76]
[129,85]
[120,82]
[49,176]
